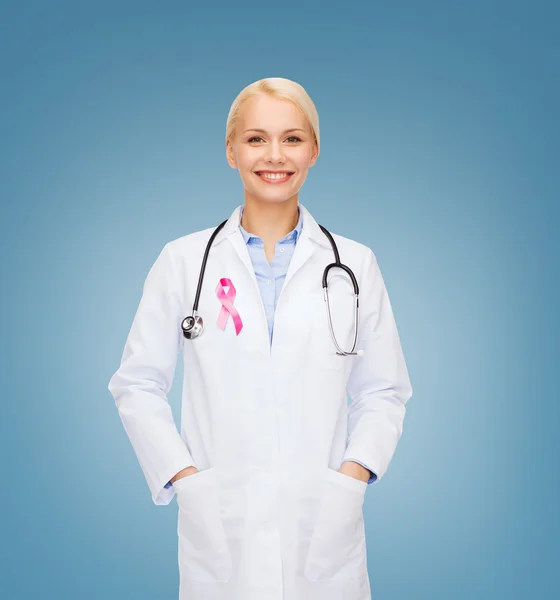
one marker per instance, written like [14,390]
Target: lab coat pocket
[203,550]
[338,548]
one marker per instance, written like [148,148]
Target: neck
[271,221]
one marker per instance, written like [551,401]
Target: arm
[379,385]
[144,378]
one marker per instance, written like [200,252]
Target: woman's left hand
[355,470]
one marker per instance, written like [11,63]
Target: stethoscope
[193,326]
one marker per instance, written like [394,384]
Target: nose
[274,152]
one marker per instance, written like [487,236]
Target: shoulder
[353,250]
[358,256]
[178,255]
[189,243]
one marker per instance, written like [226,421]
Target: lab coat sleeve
[144,378]
[379,386]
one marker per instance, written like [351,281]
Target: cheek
[301,159]
[246,165]
[246,157]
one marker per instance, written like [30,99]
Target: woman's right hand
[184,473]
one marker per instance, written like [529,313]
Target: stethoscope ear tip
[360,352]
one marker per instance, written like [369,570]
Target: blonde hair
[277,87]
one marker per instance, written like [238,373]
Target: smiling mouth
[274,177]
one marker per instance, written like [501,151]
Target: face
[272,137]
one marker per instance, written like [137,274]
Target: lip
[273,181]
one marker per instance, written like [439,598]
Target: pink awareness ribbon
[227,307]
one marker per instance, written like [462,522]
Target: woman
[271,465]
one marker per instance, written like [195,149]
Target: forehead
[271,114]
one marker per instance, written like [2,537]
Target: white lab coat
[268,516]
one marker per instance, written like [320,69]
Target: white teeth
[274,175]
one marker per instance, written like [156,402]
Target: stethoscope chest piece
[192,326]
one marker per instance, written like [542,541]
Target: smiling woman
[271,464]
[272,138]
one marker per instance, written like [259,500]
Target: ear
[314,155]
[230,155]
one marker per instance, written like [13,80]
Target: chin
[275,198]
[278,200]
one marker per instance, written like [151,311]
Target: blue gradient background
[439,130]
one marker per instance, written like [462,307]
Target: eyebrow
[264,130]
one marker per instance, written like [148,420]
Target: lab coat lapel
[238,243]
[253,302]
[231,231]
[302,253]
[310,236]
